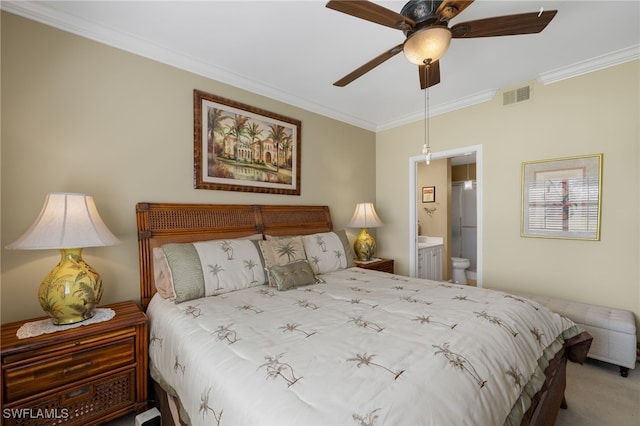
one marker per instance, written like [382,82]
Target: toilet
[458,266]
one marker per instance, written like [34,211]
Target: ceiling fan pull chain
[426,149]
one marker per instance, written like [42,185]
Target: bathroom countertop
[426,242]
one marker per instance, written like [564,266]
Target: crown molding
[617,57]
[631,53]
[440,109]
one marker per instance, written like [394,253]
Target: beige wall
[436,174]
[79,116]
[594,113]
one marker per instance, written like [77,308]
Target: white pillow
[328,251]
[209,268]
[229,265]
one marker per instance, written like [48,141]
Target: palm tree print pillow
[281,251]
[213,267]
[230,265]
[328,251]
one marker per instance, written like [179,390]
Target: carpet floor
[596,395]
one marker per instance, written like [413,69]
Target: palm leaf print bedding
[361,348]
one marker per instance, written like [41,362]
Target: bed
[257,316]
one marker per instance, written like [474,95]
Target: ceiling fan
[425,24]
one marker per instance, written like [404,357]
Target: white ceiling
[294,50]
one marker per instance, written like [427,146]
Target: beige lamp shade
[365,217]
[68,222]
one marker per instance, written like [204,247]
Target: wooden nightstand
[81,376]
[384,265]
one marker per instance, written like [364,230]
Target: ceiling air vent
[517,95]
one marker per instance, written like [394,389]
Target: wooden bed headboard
[162,223]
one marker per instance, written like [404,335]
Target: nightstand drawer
[55,371]
[78,405]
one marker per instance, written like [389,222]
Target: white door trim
[413,204]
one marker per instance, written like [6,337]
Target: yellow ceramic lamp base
[71,291]
[365,245]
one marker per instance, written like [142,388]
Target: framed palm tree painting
[238,147]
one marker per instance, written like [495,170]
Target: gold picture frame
[238,147]
[562,198]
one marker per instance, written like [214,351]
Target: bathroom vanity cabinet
[430,262]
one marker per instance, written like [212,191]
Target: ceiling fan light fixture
[427,45]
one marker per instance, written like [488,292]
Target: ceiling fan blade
[524,23]
[373,13]
[434,74]
[358,72]
[450,9]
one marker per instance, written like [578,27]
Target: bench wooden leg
[624,371]
[563,404]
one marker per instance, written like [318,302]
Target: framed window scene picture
[561,198]
[238,147]
[428,194]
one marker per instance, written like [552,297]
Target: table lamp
[364,217]
[68,222]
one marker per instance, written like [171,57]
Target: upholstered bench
[613,330]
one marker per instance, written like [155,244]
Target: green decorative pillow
[186,271]
[328,251]
[292,275]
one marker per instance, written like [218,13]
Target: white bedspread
[364,348]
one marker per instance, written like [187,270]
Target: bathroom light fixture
[468,184]
[68,222]
[364,217]
[426,148]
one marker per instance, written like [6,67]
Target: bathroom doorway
[458,155]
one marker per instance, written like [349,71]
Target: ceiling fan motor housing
[423,12]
